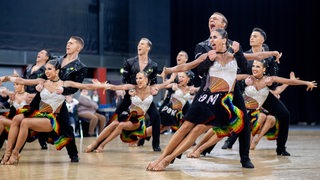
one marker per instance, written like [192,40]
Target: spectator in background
[118,98]
[4,97]
[71,103]
[95,96]
[87,109]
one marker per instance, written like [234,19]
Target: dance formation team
[223,92]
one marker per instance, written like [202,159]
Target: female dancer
[256,92]
[213,107]
[42,120]
[134,126]
[18,103]
[42,113]
[171,112]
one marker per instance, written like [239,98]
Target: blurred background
[111,30]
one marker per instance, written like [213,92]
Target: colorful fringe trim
[50,116]
[58,140]
[132,136]
[113,118]
[255,126]
[61,142]
[179,121]
[18,111]
[236,122]
[273,133]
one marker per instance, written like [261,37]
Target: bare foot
[161,165]
[14,158]
[253,144]
[99,150]
[133,144]
[195,154]
[189,155]
[89,148]
[152,164]
[5,157]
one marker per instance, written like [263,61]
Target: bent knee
[17,119]
[24,123]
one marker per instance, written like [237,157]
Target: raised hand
[211,54]
[311,85]
[59,90]
[235,46]
[96,81]
[278,56]
[248,81]
[163,73]
[39,87]
[293,76]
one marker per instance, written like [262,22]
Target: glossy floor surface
[119,161]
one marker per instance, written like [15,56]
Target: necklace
[258,78]
[222,52]
[55,80]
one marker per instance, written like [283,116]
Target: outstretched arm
[98,85]
[186,66]
[120,87]
[95,85]
[280,89]
[242,76]
[28,82]
[263,55]
[164,85]
[310,84]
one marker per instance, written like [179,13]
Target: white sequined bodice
[228,72]
[259,95]
[52,99]
[143,104]
[19,105]
[180,96]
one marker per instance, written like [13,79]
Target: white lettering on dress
[212,99]
[209,99]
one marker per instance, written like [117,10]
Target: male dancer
[218,20]
[131,67]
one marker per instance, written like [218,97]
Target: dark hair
[261,32]
[55,63]
[223,34]
[264,63]
[48,54]
[79,40]
[185,53]
[190,74]
[224,19]
[265,47]
[145,74]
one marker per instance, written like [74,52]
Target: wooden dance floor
[119,161]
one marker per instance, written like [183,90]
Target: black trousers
[155,122]
[42,138]
[153,114]
[244,135]
[276,107]
[3,138]
[71,147]
[232,139]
